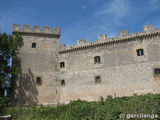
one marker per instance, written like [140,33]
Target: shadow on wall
[25,91]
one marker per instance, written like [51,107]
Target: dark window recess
[33,45]
[38,81]
[62,82]
[140,52]
[62,64]
[97,59]
[97,79]
[157,71]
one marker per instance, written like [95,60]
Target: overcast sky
[81,18]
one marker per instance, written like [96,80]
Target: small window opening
[97,79]
[157,71]
[33,45]
[38,81]
[62,82]
[97,59]
[140,52]
[62,64]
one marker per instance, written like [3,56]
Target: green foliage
[9,69]
[3,103]
[109,109]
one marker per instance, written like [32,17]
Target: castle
[53,73]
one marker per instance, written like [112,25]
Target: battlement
[123,33]
[124,36]
[102,37]
[81,42]
[36,30]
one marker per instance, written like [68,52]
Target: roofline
[113,41]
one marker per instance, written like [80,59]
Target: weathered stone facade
[52,73]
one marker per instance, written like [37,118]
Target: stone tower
[38,83]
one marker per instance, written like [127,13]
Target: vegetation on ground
[104,109]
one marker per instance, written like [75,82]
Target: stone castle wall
[121,71]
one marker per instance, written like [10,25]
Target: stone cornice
[37,34]
[130,37]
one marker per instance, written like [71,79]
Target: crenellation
[81,42]
[57,30]
[123,33]
[148,28]
[102,37]
[124,36]
[26,27]
[15,27]
[47,28]
[37,28]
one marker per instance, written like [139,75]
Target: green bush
[3,104]
[105,109]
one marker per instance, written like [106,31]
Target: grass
[104,109]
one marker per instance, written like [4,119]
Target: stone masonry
[53,73]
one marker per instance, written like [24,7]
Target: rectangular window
[157,71]
[63,83]
[33,45]
[140,52]
[62,64]
[97,79]
[97,59]
[38,81]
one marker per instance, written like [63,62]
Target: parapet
[81,42]
[148,28]
[36,30]
[123,33]
[149,31]
[102,37]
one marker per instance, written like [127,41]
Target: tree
[9,69]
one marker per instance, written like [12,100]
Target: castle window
[97,59]
[140,52]
[157,71]
[62,64]
[97,79]
[33,45]
[62,82]
[38,81]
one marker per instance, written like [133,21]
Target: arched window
[63,83]
[97,79]
[140,52]
[62,64]
[38,81]
[97,59]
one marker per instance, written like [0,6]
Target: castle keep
[52,73]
